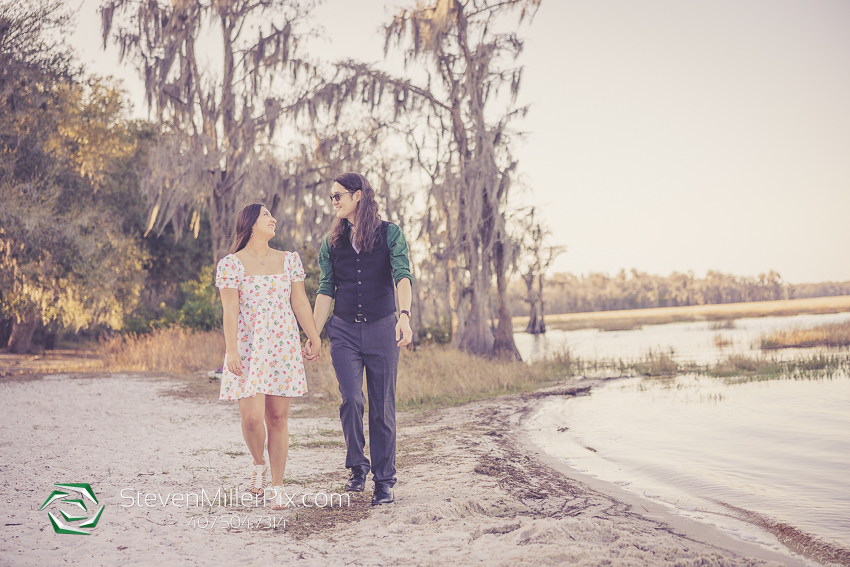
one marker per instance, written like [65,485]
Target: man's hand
[403,332]
[310,352]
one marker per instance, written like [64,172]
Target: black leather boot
[356,482]
[382,495]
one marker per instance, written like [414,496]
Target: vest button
[359,294]
[358,271]
[359,282]
[358,305]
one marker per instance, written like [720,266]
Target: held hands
[403,332]
[311,350]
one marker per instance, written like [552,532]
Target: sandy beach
[471,490]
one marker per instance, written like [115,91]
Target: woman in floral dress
[262,292]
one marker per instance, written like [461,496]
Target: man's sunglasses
[335,197]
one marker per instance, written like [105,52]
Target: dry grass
[618,325]
[655,364]
[722,342]
[722,325]
[49,362]
[741,365]
[433,376]
[634,318]
[830,335]
[429,376]
[174,350]
[742,368]
[426,377]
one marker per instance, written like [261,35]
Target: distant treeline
[826,289]
[568,293]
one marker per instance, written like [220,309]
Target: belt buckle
[360,318]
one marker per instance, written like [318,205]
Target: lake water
[780,448]
[691,342]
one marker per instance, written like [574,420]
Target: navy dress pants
[369,345]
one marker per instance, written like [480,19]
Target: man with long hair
[363,261]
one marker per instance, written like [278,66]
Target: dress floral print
[267,336]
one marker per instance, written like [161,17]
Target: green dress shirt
[399,260]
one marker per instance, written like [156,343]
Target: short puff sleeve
[296,269]
[228,273]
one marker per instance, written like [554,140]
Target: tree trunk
[20,341]
[456,313]
[223,210]
[503,343]
[222,219]
[535,317]
[416,315]
[538,310]
[477,337]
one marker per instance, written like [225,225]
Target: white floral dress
[267,337]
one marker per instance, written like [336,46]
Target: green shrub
[199,308]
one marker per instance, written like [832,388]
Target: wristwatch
[406,312]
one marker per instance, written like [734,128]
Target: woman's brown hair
[245,221]
[366,217]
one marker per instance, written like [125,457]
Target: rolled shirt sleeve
[327,284]
[399,254]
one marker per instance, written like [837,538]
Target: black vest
[364,281]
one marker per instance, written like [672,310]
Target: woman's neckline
[254,275]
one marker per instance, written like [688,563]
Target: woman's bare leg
[252,411]
[277,423]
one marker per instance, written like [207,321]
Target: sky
[662,135]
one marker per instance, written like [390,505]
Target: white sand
[470,490]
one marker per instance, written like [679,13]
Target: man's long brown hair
[366,218]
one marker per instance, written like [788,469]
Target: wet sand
[472,489]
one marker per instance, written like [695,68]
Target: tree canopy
[65,257]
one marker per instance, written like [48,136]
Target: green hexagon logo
[74,495]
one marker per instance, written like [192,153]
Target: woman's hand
[234,365]
[304,314]
[230,308]
[311,350]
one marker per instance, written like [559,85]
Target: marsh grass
[723,325]
[655,364]
[618,325]
[829,335]
[741,368]
[722,342]
[742,365]
[735,367]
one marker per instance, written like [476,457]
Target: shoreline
[798,545]
[471,487]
